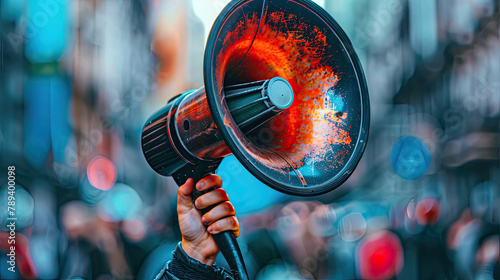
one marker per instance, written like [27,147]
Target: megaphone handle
[226,241]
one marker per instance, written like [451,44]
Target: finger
[229,223]
[184,202]
[220,211]
[208,182]
[212,198]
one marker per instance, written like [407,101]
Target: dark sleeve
[183,267]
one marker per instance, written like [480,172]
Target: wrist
[196,253]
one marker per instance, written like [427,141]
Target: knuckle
[209,178]
[224,207]
[213,180]
[217,180]
[223,194]
[219,191]
[229,207]
[221,209]
[210,181]
[233,222]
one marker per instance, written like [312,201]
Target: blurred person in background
[93,247]
[292,241]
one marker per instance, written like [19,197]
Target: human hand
[197,239]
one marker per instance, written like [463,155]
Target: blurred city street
[79,78]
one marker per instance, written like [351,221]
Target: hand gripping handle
[226,241]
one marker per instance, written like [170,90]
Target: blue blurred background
[78,79]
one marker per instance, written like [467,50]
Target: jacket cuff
[186,267]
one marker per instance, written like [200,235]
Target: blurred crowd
[78,79]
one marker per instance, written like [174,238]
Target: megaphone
[284,92]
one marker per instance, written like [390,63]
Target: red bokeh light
[101,173]
[379,256]
[427,211]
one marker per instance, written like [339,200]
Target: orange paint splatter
[287,47]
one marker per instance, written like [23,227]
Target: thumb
[184,202]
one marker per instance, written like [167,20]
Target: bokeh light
[101,173]
[428,211]
[379,256]
[120,203]
[352,227]
[410,209]
[410,158]
[74,216]
[24,207]
[134,229]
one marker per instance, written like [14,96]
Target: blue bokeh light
[122,202]
[410,158]
[24,207]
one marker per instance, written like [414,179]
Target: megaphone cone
[315,144]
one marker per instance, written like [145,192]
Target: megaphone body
[183,135]
[284,92]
